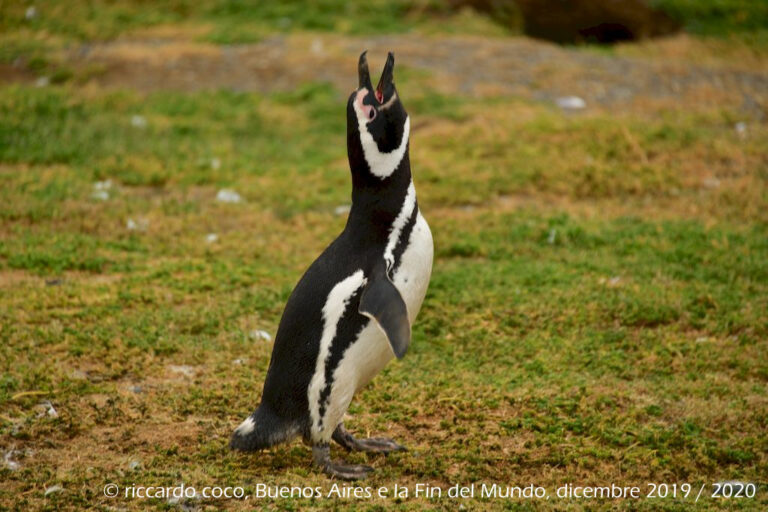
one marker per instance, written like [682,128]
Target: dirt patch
[466,65]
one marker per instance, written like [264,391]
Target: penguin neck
[377,202]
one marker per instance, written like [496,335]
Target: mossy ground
[597,312]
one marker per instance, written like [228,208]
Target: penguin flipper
[382,301]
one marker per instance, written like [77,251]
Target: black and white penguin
[353,309]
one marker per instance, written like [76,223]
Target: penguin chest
[371,351]
[412,275]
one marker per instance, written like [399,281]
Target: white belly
[412,276]
[371,351]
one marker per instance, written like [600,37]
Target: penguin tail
[260,430]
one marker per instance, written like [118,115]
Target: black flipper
[383,302]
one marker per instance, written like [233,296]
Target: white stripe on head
[389,102]
[334,308]
[397,226]
[381,164]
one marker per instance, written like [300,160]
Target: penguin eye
[372,114]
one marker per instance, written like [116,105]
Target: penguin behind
[352,311]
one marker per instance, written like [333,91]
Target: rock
[571,103]
[136,225]
[257,334]
[211,238]
[46,409]
[138,121]
[9,462]
[226,195]
[741,129]
[101,190]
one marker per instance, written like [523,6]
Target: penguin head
[377,121]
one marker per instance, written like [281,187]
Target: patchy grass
[597,312]
[612,334]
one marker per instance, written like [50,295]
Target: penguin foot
[322,458]
[373,444]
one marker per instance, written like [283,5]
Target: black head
[377,123]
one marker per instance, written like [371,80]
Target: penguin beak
[362,72]
[386,76]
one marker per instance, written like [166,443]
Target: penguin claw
[379,445]
[371,445]
[322,458]
[347,471]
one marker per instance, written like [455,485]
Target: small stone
[47,409]
[211,238]
[134,465]
[711,182]
[215,164]
[136,225]
[741,129]
[43,81]
[9,462]
[226,195]
[138,121]
[571,103]
[101,195]
[257,334]
[30,13]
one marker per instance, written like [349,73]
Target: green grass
[719,17]
[57,23]
[553,346]
[596,315]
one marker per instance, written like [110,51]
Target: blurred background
[595,175]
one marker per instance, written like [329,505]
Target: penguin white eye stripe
[390,102]
[381,164]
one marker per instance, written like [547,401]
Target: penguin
[352,311]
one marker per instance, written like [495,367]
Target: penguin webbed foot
[322,458]
[372,444]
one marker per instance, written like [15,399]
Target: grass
[597,312]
